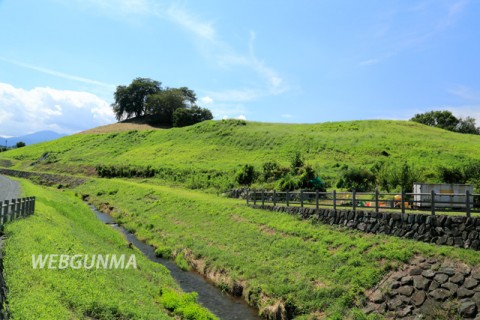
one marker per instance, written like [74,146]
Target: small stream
[219,303]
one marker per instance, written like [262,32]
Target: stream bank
[219,303]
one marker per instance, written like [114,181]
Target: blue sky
[299,61]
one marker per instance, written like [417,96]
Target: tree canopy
[446,120]
[146,97]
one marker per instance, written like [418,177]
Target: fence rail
[429,202]
[16,208]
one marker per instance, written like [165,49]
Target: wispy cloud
[59,74]
[201,29]
[228,103]
[427,19]
[206,35]
[368,62]
[465,93]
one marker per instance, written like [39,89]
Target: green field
[63,224]
[281,261]
[297,268]
[208,154]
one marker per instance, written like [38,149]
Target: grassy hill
[308,270]
[209,153]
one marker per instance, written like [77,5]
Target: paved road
[9,189]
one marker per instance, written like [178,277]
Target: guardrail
[430,202]
[16,208]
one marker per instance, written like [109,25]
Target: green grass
[308,267]
[207,155]
[63,224]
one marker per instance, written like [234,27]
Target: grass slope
[213,150]
[279,260]
[62,224]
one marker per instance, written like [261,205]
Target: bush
[188,116]
[296,162]
[452,175]
[246,175]
[272,171]
[358,179]
[288,183]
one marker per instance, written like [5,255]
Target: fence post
[1,213]
[287,198]
[335,200]
[18,214]
[274,198]
[254,197]
[248,196]
[467,203]
[263,197]
[5,211]
[30,203]
[13,210]
[301,198]
[316,200]
[376,200]
[33,205]
[433,202]
[354,200]
[403,201]
[24,207]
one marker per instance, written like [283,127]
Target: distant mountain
[33,138]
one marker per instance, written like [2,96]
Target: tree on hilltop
[446,120]
[146,97]
[131,100]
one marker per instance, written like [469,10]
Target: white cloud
[241,117]
[286,116]
[26,111]
[206,100]
[228,111]
[466,111]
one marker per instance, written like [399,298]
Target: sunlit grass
[63,224]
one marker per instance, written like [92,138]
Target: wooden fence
[16,208]
[429,202]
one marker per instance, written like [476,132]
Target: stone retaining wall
[48,179]
[428,289]
[456,231]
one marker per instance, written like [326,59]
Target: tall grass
[208,154]
[305,266]
[63,224]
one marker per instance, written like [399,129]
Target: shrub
[272,171]
[188,116]
[246,175]
[296,162]
[358,179]
[452,175]
[288,183]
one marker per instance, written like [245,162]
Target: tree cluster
[168,106]
[298,176]
[446,120]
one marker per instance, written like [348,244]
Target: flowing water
[219,303]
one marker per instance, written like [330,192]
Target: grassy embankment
[280,261]
[208,154]
[63,224]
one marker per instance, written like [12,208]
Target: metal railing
[430,202]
